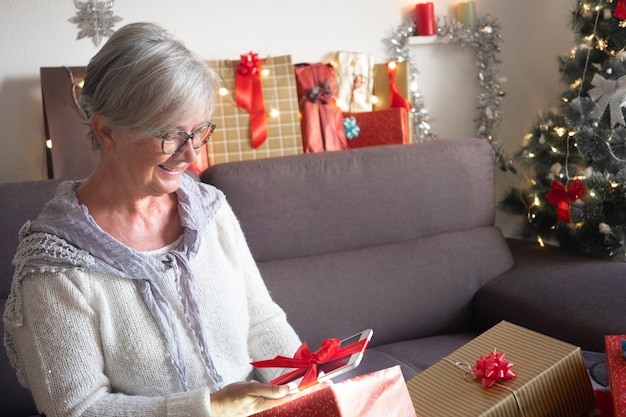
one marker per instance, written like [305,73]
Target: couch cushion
[418,288]
[413,356]
[566,295]
[18,203]
[311,204]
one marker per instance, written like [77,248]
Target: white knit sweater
[88,345]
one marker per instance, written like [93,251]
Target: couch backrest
[397,238]
[18,202]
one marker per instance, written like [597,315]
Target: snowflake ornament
[95,19]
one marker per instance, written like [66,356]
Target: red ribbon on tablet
[307,363]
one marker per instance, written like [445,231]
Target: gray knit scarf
[65,235]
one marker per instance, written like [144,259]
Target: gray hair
[143,76]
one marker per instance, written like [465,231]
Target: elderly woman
[135,292]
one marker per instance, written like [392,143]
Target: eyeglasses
[173,141]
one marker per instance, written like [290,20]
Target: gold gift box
[232,139]
[551,379]
[381,89]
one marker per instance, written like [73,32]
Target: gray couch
[398,238]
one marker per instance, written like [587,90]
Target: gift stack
[506,371]
[615,350]
[366,123]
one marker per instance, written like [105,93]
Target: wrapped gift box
[380,127]
[377,394]
[550,379]
[616,366]
[403,83]
[355,72]
[232,139]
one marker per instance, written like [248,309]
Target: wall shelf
[424,40]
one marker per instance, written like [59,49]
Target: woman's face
[143,166]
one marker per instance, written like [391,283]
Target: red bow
[562,196]
[249,95]
[620,10]
[396,99]
[308,363]
[492,368]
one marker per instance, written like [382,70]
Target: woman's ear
[103,132]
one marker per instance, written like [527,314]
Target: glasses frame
[186,136]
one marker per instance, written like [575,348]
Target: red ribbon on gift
[492,368]
[562,196]
[620,9]
[307,362]
[395,97]
[249,95]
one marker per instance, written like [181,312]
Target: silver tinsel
[484,41]
[400,51]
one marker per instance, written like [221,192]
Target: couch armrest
[569,296]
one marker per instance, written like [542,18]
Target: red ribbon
[395,97]
[620,10]
[249,95]
[492,368]
[562,196]
[308,363]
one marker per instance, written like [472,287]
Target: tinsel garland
[484,42]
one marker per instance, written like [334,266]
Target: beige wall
[36,33]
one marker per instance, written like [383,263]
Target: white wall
[36,33]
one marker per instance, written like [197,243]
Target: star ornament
[94,19]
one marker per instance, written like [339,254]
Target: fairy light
[274,113]
[223,91]
[265,72]
[49,143]
[540,241]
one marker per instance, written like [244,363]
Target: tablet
[329,370]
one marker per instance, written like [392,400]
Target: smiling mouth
[178,169]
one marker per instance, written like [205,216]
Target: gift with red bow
[257,113]
[381,393]
[544,377]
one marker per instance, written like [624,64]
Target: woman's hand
[245,398]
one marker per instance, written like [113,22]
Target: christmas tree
[573,161]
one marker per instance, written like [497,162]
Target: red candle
[424,19]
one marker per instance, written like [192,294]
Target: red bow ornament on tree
[249,95]
[492,368]
[308,363]
[562,196]
[620,9]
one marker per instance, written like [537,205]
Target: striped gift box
[551,379]
[232,139]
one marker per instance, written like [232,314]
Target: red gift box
[380,127]
[382,393]
[616,366]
